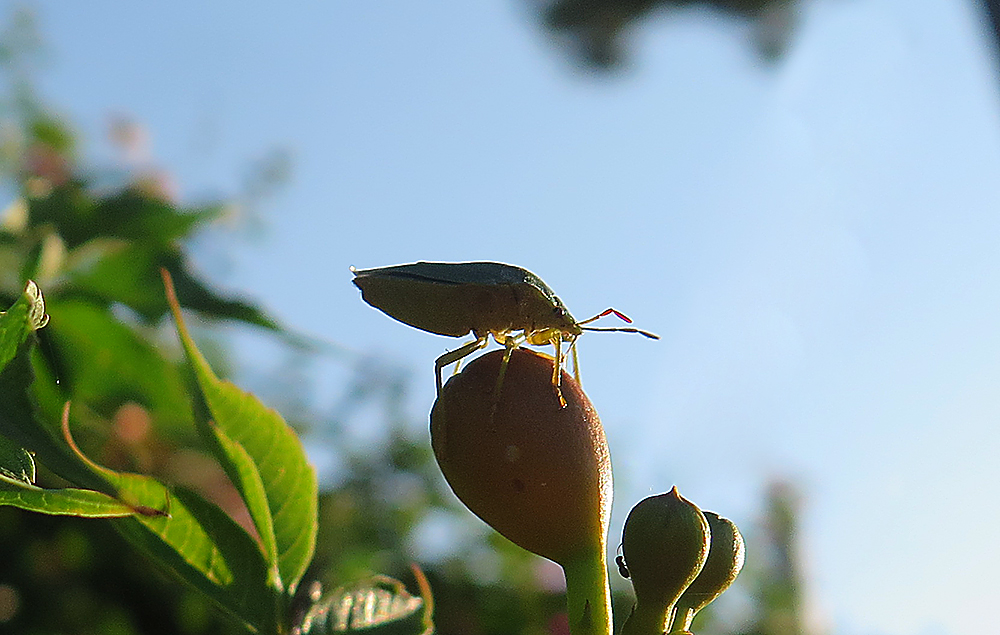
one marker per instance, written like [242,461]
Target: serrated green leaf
[196,541]
[203,546]
[192,538]
[60,502]
[16,462]
[274,452]
[378,606]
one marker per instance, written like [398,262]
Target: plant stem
[588,594]
[647,619]
[682,619]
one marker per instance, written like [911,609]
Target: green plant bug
[485,299]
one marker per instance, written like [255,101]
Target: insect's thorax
[536,320]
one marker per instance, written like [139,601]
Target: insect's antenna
[624,329]
[606,312]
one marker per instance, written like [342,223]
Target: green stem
[647,619]
[588,594]
[682,619]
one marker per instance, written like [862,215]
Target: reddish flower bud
[538,473]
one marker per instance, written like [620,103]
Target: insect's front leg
[557,369]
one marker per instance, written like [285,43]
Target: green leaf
[190,537]
[141,217]
[18,422]
[244,474]
[129,214]
[198,296]
[377,606]
[205,548]
[118,244]
[52,131]
[60,502]
[264,458]
[129,273]
[105,363]
[196,541]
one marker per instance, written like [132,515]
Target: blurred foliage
[778,583]
[597,31]
[95,249]
[772,583]
[991,11]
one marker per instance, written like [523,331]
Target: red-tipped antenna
[652,336]
[606,312]
[621,329]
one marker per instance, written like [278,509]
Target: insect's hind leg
[457,355]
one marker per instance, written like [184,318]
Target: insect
[485,299]
[622,569]
[620,561]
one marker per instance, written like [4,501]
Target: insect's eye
[559,311]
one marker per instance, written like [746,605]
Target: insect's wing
[487,273]
[426,305]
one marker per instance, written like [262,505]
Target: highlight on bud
[725,560]
[665,544]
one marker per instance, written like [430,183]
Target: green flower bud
[665,543]
[725,559]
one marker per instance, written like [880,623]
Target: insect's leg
[557,369]
[556,375]
[576,361]
[510,343]
[456,355]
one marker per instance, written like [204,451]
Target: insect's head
[561,318]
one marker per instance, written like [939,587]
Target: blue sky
[815,240]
